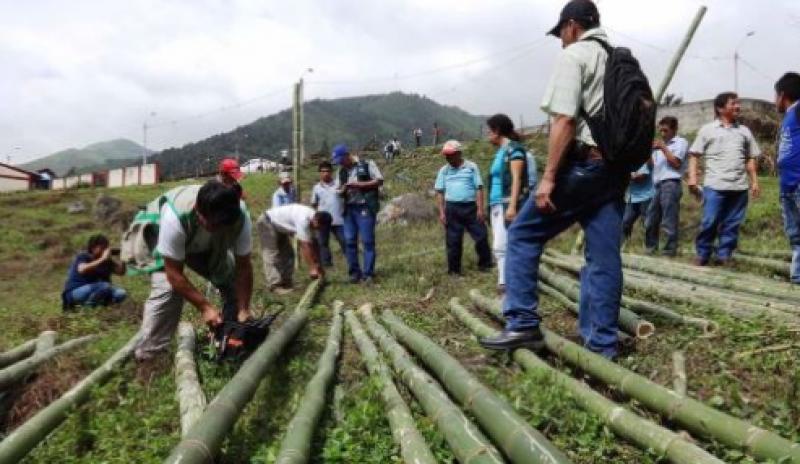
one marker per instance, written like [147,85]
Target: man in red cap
[230,174]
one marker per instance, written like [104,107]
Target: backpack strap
[606,46]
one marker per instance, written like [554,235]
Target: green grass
[128,422]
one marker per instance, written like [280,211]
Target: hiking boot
[355,279]
[532,339]
[501,290]
[698,261]
[369,281]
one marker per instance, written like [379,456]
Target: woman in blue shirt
[509,184]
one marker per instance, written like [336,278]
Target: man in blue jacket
[787,94]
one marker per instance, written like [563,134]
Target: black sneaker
[355,279]
[532,339]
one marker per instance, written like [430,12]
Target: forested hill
[358,121]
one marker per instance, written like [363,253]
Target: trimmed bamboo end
[645,329]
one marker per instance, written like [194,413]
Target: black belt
[585,152]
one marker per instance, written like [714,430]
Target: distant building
[45,180]
[14,179]
[255,165]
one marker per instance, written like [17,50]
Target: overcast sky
[78,72]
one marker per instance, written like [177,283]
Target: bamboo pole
[19,371]
[46,341]
[191,398]
[781,255]
[679,372]
[203,441]
[625,423]
[22,440]
[466,441]
[413,448]
[296,444]
[18,353]
[521,443]
[694,415]
[778,267]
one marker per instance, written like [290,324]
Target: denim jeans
[359,222]
[586,193]
[790,206]
[461,217]
[723,213]
[632,212]
[98,293]
[664,214]
[324,238]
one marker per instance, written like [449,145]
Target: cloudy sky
[77,72]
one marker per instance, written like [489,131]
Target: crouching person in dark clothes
[577,186]
[89,279]
[459,195]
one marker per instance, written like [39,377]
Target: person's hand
[481,216]
[694,189]
[316,272]
[211,316]
[755,190]
[543,192]
[106,255]
[511,213]
[659,145]
[245,315]
[442,218]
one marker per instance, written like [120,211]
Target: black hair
[789,85]
[218,203]
[669,121]
[325,165]
[722,99]
[95,240]
[503,126]
[323,218]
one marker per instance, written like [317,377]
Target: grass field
[130,422]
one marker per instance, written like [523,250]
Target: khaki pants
[276,254]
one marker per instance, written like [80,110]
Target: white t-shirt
[172,238]
[294,219]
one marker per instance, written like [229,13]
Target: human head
[452,152]
[787,91]
[668,127]
[726,106]
[96,245]
[341,155]
[229,170]
[321,220]
[576,17]
[325,171]
[500,127]
[285,180]
[217,205]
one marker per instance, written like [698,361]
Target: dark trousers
[664,214]
[359,222]
[586,193]
[324,238]
[633,211]
[461,217]
[723,213]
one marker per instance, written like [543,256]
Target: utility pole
[296,143]
[736,61]
[676,59]
[302,123]
[144,143]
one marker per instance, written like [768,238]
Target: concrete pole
[673,65]
[296,144]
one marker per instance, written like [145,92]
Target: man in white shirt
[669,163]
[207,229]
[325,197]
[276,227]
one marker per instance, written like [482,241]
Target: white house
[259,165]
[14,179]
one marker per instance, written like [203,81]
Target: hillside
[95,157]
[358,121]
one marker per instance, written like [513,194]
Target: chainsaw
[235,341]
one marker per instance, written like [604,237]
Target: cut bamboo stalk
[466,441]
[191,398]
[203,441]
[679,379]
[782,255]
[413,448]
[296,444]
[625,423]
[778,267]
[694,415]
[22,440]
[46,341]
[520,442]
[19,371]
[18,353]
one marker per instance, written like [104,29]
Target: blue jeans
[359,222]
[324,238]
[664,214]
[461,217]
[588,194]
[790,206]
[98,293]
[723,213]
[632,212]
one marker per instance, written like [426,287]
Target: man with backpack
[459,196]
[787,95]
[359,183]
[584,180]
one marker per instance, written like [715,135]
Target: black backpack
[625,126]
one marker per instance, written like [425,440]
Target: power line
[756,70]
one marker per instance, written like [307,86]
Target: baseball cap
[284,177]
[230,167]
[339,152]
[451,147]
[584,10]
